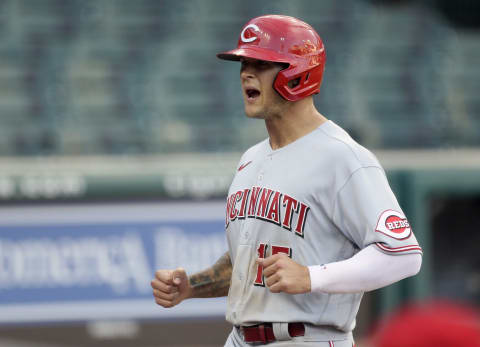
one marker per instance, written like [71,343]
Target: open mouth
[252,93]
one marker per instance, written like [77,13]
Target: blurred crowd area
[141,77]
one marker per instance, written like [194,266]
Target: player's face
[260,99]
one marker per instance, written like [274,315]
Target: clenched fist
[282,274]
[170,287]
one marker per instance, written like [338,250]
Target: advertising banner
[96,261]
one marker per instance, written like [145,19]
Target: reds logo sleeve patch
[394,224]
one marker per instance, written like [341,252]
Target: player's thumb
[179,276]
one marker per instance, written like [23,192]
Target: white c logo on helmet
[250,39]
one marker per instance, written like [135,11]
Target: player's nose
[247,71]
[246,74]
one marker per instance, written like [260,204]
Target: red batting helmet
[284,39]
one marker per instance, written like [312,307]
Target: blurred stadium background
[120,132]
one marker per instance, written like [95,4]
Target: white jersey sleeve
[367,212]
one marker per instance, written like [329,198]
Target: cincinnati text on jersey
[267,205]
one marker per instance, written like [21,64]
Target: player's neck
[298,120]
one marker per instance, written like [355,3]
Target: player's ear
[293,83]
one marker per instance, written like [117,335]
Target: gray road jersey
[319,199]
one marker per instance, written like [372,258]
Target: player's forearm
[214,281]
[368,270]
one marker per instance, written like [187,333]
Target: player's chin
[253,112]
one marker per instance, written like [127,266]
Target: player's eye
[256,64]
[262,64]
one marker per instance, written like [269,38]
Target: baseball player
[311,221]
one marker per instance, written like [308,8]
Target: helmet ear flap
[295,86]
